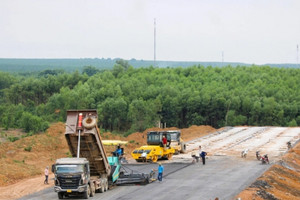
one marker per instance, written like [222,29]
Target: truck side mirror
[86,168]
[53,168]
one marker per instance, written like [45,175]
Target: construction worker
[289,144]
[164,141]
[46,175]
[194,156]
[200,150]
[202,155]
[118,152]
[160,172]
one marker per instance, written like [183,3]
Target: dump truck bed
[91,146]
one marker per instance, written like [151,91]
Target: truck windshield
[69,168]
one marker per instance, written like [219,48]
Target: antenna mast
[154,43]
[222,58]
[297,54]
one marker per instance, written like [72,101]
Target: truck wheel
[87,193]
[89,122]
[106,186]
[183,148]
[102,188]
[60,195]
[93,191]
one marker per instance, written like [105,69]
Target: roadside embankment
[281,181]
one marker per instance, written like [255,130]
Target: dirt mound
[281,181]
[27,157]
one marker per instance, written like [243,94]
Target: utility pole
[222,58]
[154,64]
[297,55]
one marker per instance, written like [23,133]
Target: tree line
[132,99]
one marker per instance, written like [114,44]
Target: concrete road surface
[222,177]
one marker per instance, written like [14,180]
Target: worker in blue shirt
[118,152]
[160,172]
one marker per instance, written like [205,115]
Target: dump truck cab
[71,175]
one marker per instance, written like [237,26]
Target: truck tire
[87,193]
[60,195]
[93,191]
[106,186]
[183,148]
[89,122]
[101,190]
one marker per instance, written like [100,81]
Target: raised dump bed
[91,146]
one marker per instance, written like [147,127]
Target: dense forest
[132,99]
[25,66]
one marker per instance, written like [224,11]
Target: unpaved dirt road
[224,175]
[233,140]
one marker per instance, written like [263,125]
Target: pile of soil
[23,162]
[28,156]
[281,181]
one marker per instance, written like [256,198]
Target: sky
[248,31]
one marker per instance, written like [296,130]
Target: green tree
[113,114]
[292,123]
[90,70]
[32,123]
[142,114]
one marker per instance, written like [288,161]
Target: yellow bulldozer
[154,149]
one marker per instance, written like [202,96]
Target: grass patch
[28,148]
[3,134]
[19,161]
[68,154]
[13,138]
[29,134]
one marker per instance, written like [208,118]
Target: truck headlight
[81,189]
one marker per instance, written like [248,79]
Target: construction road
[224,175]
